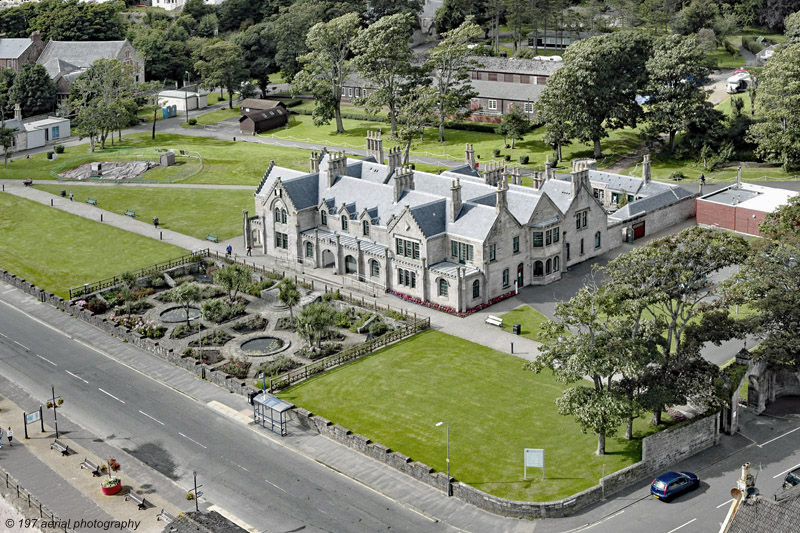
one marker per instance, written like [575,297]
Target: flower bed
[138,325]
[328,348]
[183,331]
[448,309]
[236,367]
[209,357]
[285,323]
[223,309]
[255,289]
[283,363]
[254,323]
[215,338]
[206,292]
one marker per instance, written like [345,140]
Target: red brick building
[740,208]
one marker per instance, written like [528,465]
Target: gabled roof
[57,66]
[527,92]
[759,514]
[263,116]
[431,217]
[257,103]
[13,48]
[515,65]
[81,53]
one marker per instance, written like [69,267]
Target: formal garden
[236,322]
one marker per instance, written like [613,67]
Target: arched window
[597,240]
[374,268]
[476,289]
[277,214]
[365,228]
[556,264]
[344,222]
[442,287]
[283,216]
[323,217]
[547,266]
[538,268]
[309,249]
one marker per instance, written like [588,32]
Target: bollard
[161,235]
[512,347]
[51,202]
[101,217]
[4,187]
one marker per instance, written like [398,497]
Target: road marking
[191,439]
[589,526]
[276,486]
[151,418]
[45,359]
[3,335]
[684,525]
[726,503]
[786,471]
[23,346]
[76,376]
[779,437]
[106,392]
[235,519]
[235,464]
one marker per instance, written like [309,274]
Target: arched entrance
[350,266]
[327,258]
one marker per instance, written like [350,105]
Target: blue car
[667,486]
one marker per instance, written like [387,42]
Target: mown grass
[493,407]
[213,117]
[57,250]
[529,318]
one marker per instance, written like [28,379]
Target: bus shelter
[270,412]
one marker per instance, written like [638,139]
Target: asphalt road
[259,481]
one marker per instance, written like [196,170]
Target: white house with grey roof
[456,239]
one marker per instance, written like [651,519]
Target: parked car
[792,479]
[667,486]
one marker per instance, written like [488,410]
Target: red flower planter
[110,491]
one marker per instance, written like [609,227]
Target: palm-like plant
[185,295]
[288,294]
[314,322]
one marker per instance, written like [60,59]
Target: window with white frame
[528,107]
[492,105]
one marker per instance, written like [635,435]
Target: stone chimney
[738,169]
[746,481]
[375,145]
[313,163]
[403,181]
[513,175]
[646,168]
[548,170]
[18,112]
[395,158]
[469,155]
[337,166]
[580,174]
[492,172]
[501,200]
[538,179]
[455,195]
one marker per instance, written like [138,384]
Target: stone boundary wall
[658,450]
[201,370]
[787,383]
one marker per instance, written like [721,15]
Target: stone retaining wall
[658,450]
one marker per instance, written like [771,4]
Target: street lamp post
[186,94]
[447,460]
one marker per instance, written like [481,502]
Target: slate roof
[431,217]
[515,65]
[195,522]
[263,116]
[56,66]
[508,90]
[463,170]
[13,48]
[759,514]
[560,191]
[649,203]
[80,53]
[257,103]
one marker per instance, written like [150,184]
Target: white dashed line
[76,376]
[684,525]
[23,346]
[151,418]
[191,439]
[276,486]
[108,393]
[778,437]
[45,359]
[786,471]
[725,503]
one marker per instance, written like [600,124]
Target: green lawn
[224,162]
[529,318]
[195,212]
[494,409]
[214,116]
[213,97]
[723,59]
[57,250]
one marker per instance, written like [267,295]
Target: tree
[220,64]
[6,83]
[150,92]
[449,63]
[414,114]
[165,52]
[71,20]
[233,278]
[383,57]
[698,14]
[514,125]
[33,90]
[6,140]
[773,12]
[186,295]
[657,14]
[197,9]
[129,282]
[777,131]
[208,26]
[783,224]
[314,322]
[517,16]
[327,66]
[377,9]
[610,70]
[792,25]
[676,73]
[288,294]
[258,51]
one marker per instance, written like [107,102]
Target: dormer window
[323,217]
[365,228]
[344,222]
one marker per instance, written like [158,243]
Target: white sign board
[35,416]
[534,458]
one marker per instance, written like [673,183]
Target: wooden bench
[130,213]
[211,237]
[139,500]
[494,321]
[60,446]
[92,201]
[91,467]
[165,517]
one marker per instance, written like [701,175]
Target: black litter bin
[63,193]
[517,329]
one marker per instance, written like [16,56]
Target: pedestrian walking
[249,250]
[702,178]
[10,435]
[71,197]
[229,250]
[155,222]
[1,437]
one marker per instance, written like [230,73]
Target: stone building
[456,239]
[16,53]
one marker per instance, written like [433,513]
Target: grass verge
[529,318]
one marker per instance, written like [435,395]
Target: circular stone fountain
[263,346]
[178,314]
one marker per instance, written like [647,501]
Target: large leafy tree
[71,20]
[551,110]
[384,58]
[676,74]
[602,75]
[377,9]
[6,82]
[220,64]
[777,131]
[514,125]
[414,114]
[697,14]
[186,295]
[166,53]
[16,21]
[314,322]
[783,224]
[792,25]
[33,90]
[449,63]
[327,66]
[258,50]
